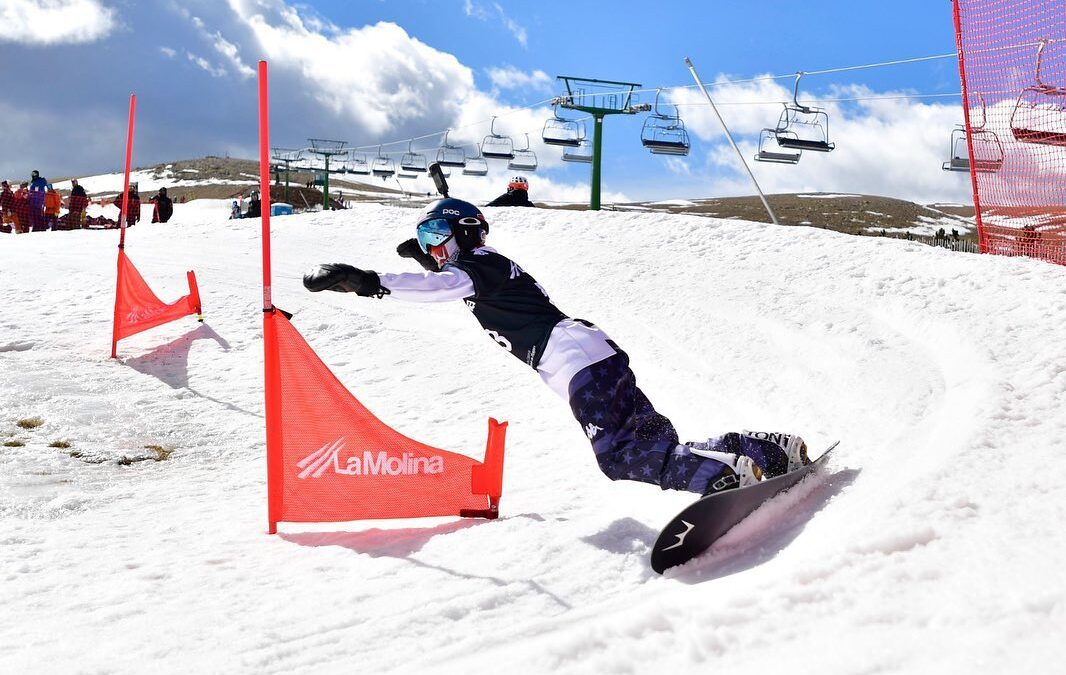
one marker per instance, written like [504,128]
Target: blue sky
[370,72]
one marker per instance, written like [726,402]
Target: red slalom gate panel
[330,459]
[137,308]
[1012,62]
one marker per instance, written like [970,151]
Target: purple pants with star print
[633,441]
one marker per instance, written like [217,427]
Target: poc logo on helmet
[449,212]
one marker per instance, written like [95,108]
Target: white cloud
[478,11]
[52,22]
[221,45]
[203,63]
[883,147]
[168,52]
[510,77]
[230,51]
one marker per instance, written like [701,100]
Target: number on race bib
[500,340]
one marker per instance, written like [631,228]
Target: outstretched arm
[451,284]
[344,279]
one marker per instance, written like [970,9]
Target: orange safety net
[137,308]
[330,459]
[1012,61]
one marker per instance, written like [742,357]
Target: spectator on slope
[52,204]
[133,209]
[517,194]
[164,207]
[7,208]
[253,206]
[577,360]
[22,208]
[235,210]
[38,187]
[77,202]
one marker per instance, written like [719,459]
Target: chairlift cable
[761,78]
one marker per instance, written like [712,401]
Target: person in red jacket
[22,208]
[77,203]
[134,208]
[7,207]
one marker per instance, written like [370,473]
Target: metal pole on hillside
[598,98]
[699,83]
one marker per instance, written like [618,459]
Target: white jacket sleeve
[451,284]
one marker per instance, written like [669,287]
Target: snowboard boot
[793,447]
[737,470]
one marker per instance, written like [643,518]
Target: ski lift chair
[358,164]
[524,160]
[771,151]
[412,162]
[476,165]
[561,131]
[383,166]
[1039,115]
[664,134]
[582,153]
[803,127]
[987,148]
[987,151]
[497,146]
[450,155]
[960,153]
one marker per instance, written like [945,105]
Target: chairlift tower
[598,98]
[326,148]
[286,157]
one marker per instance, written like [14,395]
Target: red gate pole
[122,221]
[271,358]
[982,234]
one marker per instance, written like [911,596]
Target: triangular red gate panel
[137,308]
[330,459]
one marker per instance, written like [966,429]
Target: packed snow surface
[932,543]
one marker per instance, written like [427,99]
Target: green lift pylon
[598,98]
[287,157]
[327,149]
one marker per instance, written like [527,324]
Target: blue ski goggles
[433,232]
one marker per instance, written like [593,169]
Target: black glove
[344,279]
[411,249]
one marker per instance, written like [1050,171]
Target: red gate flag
[136,307]
[330,459]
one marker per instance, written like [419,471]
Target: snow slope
[932,544]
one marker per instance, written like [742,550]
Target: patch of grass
[29,423]
[156,453]
[14,443]
[59,444]
[76,454]
[159,453]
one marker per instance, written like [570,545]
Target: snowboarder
[577,360]
[37,189]
[8,221]
[254,206]
[76,203]
[133,209]
[164,207]
[52,203]
[517,194]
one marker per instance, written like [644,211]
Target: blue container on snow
[281,209]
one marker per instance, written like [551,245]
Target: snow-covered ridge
[931,545]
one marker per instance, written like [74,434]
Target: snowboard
[695,529]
